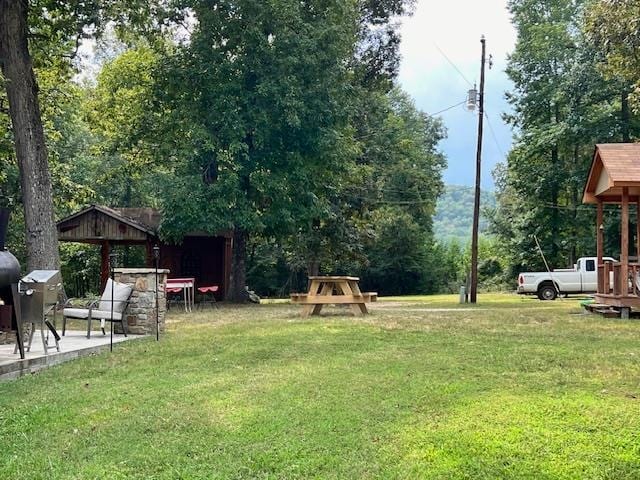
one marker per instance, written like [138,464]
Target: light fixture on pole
[112,266]
[156,256]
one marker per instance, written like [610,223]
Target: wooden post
[149,258]
[476,202]
[104,263]
[600,243]
[228,252]
[624,243]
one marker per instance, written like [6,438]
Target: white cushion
[121,293]
[83,313]
[104,314]
[76,312]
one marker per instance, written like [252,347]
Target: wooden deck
[618,286]
[619,301]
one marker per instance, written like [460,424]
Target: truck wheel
[547,292]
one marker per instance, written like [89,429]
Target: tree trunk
[573,254]
[555,220]
[313,267]
[31,151]
[625,117]
[555,214]
[237,292]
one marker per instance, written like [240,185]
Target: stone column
[141,312]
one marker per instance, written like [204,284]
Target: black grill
[10,317]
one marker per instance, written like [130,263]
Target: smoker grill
[41,288]
[40,291]
[10,318]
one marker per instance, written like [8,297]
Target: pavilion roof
[98,223]
[614,166]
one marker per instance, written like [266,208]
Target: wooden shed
[614,178]
[205,257]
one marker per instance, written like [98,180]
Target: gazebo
[205,257]
[614,178]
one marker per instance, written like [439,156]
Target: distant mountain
[454,213]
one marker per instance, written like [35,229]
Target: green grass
[424,389]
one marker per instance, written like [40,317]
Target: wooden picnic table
[341,290]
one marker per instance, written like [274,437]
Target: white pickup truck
[582,278]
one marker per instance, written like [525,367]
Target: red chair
[174,296]
[208,295]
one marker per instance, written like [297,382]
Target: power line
[446,109]
[388,202]
[493,135]
[453,64]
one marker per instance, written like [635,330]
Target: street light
[156,256]
[112,266]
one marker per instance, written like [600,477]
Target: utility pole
[473,294]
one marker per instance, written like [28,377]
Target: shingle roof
[149,217]
[621,162]
[121,214]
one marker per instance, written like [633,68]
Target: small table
[174,285]
[325,290]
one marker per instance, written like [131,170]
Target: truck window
[591,265]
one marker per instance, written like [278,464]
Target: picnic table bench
[339,290]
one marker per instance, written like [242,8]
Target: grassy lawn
[422,388]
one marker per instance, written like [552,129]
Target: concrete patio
[73,345]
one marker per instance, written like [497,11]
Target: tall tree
[378,221]
[562,105]
[50,31]
[121,114]
[30,147]
[612,27]
[265,88]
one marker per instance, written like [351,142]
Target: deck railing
[620,286]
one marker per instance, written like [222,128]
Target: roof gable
[97,223]
[617,162]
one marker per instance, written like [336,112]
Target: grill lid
[9,269]
[42,276]
[9,266]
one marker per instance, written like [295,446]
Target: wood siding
[202,258]
[95,226]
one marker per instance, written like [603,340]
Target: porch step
[602,309]
[607,312]
[592,307]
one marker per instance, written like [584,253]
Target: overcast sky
[454,27]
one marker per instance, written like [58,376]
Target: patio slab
[73,345]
